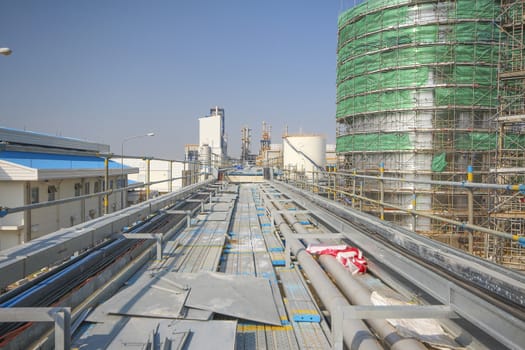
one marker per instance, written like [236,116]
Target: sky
[108,70]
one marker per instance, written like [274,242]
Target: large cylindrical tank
[304,153]
[416,93]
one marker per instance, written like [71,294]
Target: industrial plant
[408,233]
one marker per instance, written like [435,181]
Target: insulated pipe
[360,295]
[355,333]
[463,184]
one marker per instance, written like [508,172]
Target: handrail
[467,185]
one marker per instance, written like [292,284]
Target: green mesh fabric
[476,141]
[389,61]
[439,162]
[485,141]
[374,142]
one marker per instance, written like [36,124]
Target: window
[111,184]
[86,188]
[51,190]
[97,187]
[78,189]
[35,194]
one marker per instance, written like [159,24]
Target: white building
[157,171]
[211,133]
[36,168]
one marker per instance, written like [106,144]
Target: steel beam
[495,321]
[362,312]
[61,316]
[157,236]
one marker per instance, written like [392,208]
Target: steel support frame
[157,236]
[188,214]
[61,316]
[363,312]
[502,326]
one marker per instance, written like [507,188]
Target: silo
[416,90]
[305,153]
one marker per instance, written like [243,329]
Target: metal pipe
[382,189]
[463,184]
[6,211]
[170,176]
[515,238]
[470,200]
[355,333]
[106,185]
[360,295]
[147,178]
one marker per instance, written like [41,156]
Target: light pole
[5,51]
[122,164]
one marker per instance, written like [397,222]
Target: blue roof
[56,161]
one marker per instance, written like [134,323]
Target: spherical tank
[304,152]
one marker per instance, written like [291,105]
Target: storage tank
[304,153]
[416,92]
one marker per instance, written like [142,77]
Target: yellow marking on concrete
[255,328]
[305,311]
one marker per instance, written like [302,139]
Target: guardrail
[18,262]
[369,193]
[61,316]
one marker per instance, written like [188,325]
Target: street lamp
[122,164]
[5,51]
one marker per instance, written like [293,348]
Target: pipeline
[355,333]
[359,295]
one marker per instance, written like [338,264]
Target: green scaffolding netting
[463,141]
[432,34]
[486,141]
[385,80]
[439,162]
[385,101]
[374,102]
[414,77]
[388,60]
[465,96]
[373,142]
[463,9]
[475,9]
[410,56]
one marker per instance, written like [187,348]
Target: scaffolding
[508,213]
[416,98]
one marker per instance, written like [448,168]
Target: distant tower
[265,137]
[246,139]
[211,133]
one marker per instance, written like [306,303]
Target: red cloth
[350,257]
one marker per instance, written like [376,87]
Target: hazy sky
[105,70]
